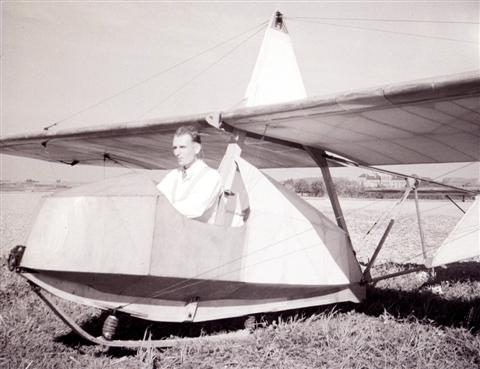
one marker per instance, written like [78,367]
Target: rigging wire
[455,170]
[163,71]
[432,248]
[195,282]
[405,217]
[391,32]
[181,87]
[381,218]
[369,203]
[390,172]
[375,201]
[174,286]
[391,212]
[423,211]
[385,20]
[139,171]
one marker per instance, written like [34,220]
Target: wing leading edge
[428,121]
[146,144]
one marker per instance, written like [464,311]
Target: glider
[119,245]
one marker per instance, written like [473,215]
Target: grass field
[407,322]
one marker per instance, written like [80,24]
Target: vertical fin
[276,77]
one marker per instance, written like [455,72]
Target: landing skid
[170,342]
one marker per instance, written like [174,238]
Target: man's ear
[197,147]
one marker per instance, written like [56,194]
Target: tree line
[347,188]
[309,187]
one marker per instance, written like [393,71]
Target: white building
[381,181]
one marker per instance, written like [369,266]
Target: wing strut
[454,203]
[419,218]
[366,273]
[319,157]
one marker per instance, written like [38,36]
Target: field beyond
[413,321]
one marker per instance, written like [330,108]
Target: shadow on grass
[459,272]
[416,303]
[460,307]
[424,306]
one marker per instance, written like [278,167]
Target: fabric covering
[121,241]
[276,77]
[464,240]
[124,225]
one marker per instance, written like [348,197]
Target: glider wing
[429,121]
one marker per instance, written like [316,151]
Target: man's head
[186,145]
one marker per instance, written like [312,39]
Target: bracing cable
[363,28]
[180,285]
[455,170]
[181,87]
[431,249]
[153,76]
[389,20]
[194,282]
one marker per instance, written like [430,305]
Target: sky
[60,58]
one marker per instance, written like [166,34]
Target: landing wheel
[15,257]
[250,323]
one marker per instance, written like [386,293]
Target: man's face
[185,150]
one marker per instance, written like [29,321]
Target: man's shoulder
[169,177]
[209,171]
[171,173]
[205,167]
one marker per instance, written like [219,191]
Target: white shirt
[192,191]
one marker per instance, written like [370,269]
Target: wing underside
[429,121]
[147,145]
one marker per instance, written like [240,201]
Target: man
[193,188]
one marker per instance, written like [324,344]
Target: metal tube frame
[366,273]
[319,157]
[454,203]
[170,342]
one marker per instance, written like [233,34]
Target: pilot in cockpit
[193,188]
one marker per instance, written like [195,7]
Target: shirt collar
[193,169]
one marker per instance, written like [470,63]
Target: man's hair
[189,130]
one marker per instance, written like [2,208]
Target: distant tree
[317,188]
[346,187]
[302,186]
[290,184]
